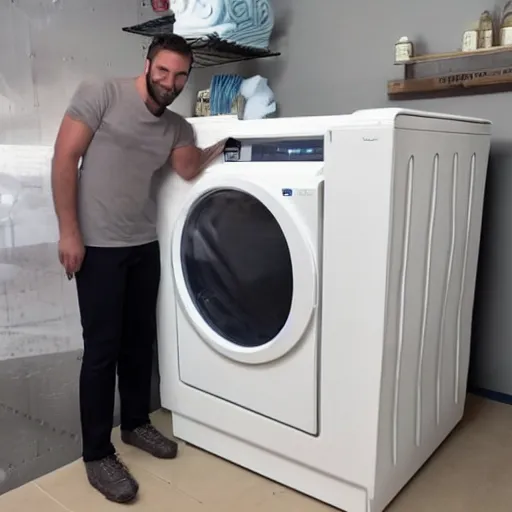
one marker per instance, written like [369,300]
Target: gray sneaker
[148,439]
[112,478]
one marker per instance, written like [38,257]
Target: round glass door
[237,267]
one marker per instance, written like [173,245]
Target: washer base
[322,487]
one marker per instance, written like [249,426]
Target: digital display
[281,150]
[288,151]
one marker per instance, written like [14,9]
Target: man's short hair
[172,43]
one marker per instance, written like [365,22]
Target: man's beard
[162,99]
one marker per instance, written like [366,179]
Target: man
[122,132]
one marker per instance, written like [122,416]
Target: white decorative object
[259,98]
[506,25]
[506,36]
[245,22]
[403,50]
[470,39]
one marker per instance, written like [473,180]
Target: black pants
[117,294]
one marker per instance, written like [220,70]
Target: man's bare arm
[72,142]
[190,161]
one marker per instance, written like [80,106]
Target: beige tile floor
[471,472]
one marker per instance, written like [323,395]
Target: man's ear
[147,65]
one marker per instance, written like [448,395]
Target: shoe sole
[120,502]
[113,499]
[116,500]
[150,453]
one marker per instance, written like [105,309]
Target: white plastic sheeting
[38,305]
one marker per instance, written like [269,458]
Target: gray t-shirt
[116,189]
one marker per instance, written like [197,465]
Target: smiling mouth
[165,93]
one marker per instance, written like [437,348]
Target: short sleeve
[185,135]
[88,104]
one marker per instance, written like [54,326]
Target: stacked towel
[223,91]
[244,22]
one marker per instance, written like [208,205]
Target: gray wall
[337,57]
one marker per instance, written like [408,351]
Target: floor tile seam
[51,497]
[143,467]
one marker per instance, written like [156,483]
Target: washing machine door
[244,269]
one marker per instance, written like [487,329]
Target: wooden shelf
[454,74]
[432,57]
[491,81]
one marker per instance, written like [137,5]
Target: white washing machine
[316,296]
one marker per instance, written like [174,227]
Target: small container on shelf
[506,35]
[404,50]
[203,103]
[506,25]
[470,39]
[485,30]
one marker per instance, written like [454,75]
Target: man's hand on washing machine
[209,154]
[189,161]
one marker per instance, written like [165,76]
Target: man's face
[166,76]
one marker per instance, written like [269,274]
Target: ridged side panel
[437,191]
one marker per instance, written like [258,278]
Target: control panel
[275,150]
